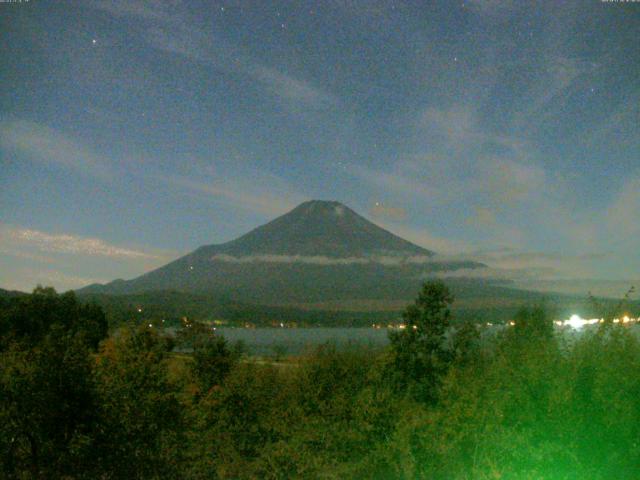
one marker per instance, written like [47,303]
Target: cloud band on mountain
[386,260]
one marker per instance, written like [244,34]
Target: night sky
[132,132]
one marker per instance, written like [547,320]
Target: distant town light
[576,322]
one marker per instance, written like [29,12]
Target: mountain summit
[321,228]
[319,251]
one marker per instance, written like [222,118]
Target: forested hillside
[79,402]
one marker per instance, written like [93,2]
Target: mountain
[319,253]
[10,293]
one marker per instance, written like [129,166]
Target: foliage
[141,418]
[29,318]
[47,401]
[529,403]
[213,359]
[420,355]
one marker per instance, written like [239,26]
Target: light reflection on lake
[267,341]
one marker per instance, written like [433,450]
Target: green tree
[213,359]
[47,400]
[533,324]
[466,342]
[141,421]
[420,355]
[28,318]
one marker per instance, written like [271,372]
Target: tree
[141,420]
[420,354]
[28,319]
[212,360]
[533,324]
[466,343]
[47,401]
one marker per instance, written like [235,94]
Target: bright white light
[576,322]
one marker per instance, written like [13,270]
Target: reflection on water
[267,341]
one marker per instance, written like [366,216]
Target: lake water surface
[282,341]
[267,341]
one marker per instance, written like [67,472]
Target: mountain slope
[320,228]
[319,251]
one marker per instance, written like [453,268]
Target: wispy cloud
[25,279]
[62,260]
[291,88]
[47,145]
[426,239]
[268,194]
[622,215]
[399,181]
[17,237]
[389,212]
[170,29]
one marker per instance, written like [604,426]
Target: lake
[267,341]
[292,341]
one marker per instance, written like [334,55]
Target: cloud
[386,260]
[61,280]
[17,237]
[508,181]
[483,182]
[456,124]
[426,239]
[169,28]
[17,253]
[29,256]
[275,199]
[518,264]
[25,279]
[584,286]
[548,90]
[291,88]
[622,215]
[397,182]
[47,145]
[379,210]
[484,217]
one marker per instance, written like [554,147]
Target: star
[94,41]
